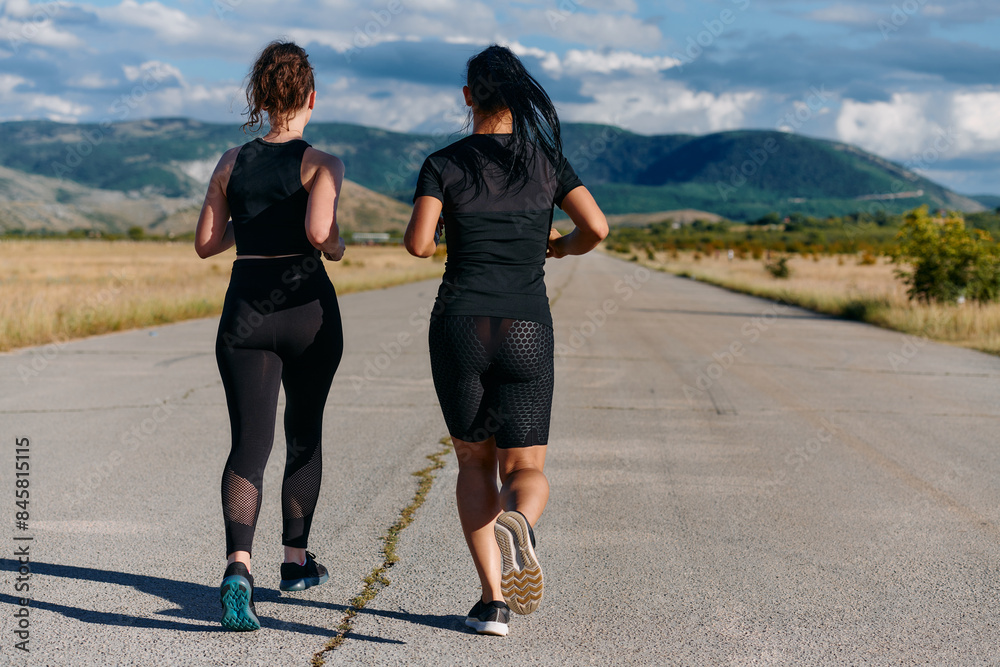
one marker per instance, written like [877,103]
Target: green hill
[744,174]
[741,175]
[989,201]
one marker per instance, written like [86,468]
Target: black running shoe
[295,577]
[521,576]
[489,618]
[236,595]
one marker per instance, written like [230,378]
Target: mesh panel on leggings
[301,489]
[240,499]
[494,377]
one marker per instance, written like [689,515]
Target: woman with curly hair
[275,198]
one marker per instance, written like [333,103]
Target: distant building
[370,237]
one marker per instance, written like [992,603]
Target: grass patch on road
[376,580]
[843,286]
[59,290]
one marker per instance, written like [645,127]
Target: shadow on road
[199,603]
[767,315]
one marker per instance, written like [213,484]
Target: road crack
[377,579]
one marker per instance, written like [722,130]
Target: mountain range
[152,173]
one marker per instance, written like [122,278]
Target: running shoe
[521,577]
[236,595]
[295,577]
[489,618]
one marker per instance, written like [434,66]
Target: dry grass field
[57,290]
[842,286]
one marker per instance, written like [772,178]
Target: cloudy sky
[917,81]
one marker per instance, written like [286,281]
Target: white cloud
[8,82]
[952,123]
[153,71]
[976,114]
[407,105]
[894,129]
[549,60]
[93,81]
[651,105]
[19,102]
[38,31]
[580,62]
[56,108]
[171,25]
[577,62]
[846,14]
[605,30]
[23,9]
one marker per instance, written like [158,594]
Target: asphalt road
[734,482]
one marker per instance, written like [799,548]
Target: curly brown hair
[280,82]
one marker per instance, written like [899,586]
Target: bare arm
[321,211]
[591,225]
[419,237]
[214,233]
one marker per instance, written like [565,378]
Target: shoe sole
[494,628]
[302,584]
[521,576]
[236,612]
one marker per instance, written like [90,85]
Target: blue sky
[917,81]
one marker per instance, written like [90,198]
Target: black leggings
[280,326]
[493,378]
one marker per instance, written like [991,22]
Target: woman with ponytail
[491,344]
[275,198]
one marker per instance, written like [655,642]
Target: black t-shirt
[496,238]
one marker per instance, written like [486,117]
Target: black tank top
[267,200]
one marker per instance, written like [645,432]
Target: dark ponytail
[497,81]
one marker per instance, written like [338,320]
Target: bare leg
[295,555]
[239,556]
[478,506]
[525,487]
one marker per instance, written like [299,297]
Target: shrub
[946,261]
[867,258]
[778,268]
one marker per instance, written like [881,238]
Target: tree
[946,261]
